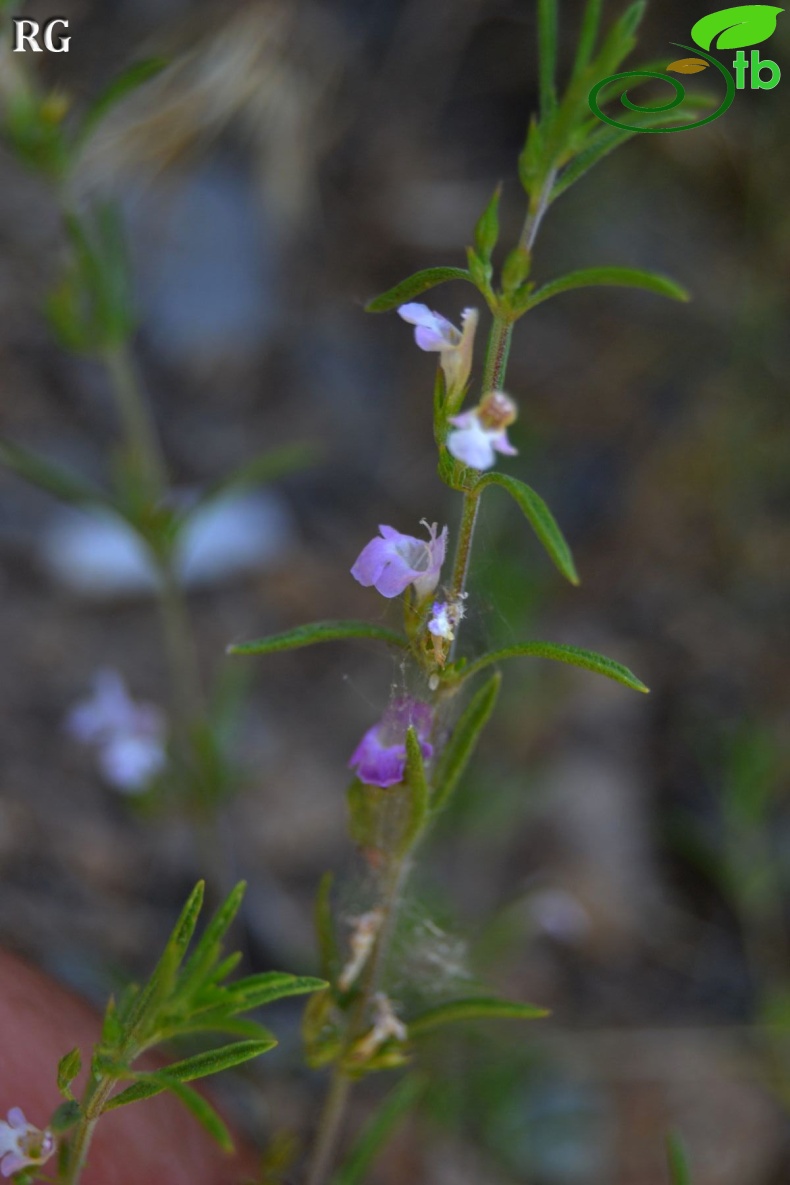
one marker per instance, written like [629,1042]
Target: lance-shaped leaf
[463,740]
[156,1082]
[378,1130]
[69,1067]
[319,631]
[66,486]
[487,228]
[588,660]
[420,282]
[588,36]
[256,990]
[541,518]
[548,37]
[208,948]
[473,1008]
[201,1066]
[688,66]
[418,789]
[679,1171]
[746,24]
[125,84]
[145,1002]
[619,277]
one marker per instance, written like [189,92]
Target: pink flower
[380,757]
[434,332]
[129,737]
[480,434]
[391,562]
[22,1144]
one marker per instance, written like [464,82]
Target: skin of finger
[152,1141]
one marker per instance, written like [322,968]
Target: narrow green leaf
[588,35]
[150,1084]
[217,1022]
[420,282]
[621,277]
[487,229]
[473,1008]
[256,990]
[418,789]
[379,1129]
[201,1066]
[541,519]
[69,1067]
[588,660]
[679,1171]
[163,976]
[319,631]
[209,946]
[258,471]
[127,82]
[463,740]
[329,954]
[547,54]
[66,486]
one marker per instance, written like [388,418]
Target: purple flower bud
[433,332]
[391,562]
[380,757]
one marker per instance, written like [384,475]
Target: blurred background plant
[290,161]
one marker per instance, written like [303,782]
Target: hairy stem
[92,1107]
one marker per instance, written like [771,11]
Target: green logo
[731,28]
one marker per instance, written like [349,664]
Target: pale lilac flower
[393,561]
[481,433]
[129,737]
[442,624]
[22,1144]
[433,332]
[380,757]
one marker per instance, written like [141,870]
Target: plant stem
[141,435]
[91,1111]
[329,1128]
[497,354]
[538,206]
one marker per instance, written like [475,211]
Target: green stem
[497,354]
[141,435]
[92,1108]
[538,206]
[330,1128]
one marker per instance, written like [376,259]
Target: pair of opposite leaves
[735,28]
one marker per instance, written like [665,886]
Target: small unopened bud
[497,411]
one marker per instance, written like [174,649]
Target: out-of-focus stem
[139,429]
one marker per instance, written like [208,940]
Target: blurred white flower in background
[96,554]
[129,737]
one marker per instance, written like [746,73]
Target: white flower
[434,332]
[22,1144]
[481,433]
[129,737]
[442,624]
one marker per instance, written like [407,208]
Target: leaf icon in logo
[747,24]
[688,66]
